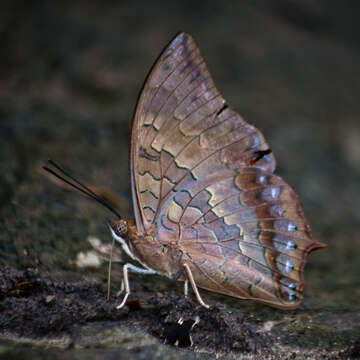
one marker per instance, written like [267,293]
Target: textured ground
[45,311]
[69,78]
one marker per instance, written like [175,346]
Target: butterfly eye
[118,226]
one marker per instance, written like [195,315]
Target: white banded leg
[125,281]
[194,287]
[186,288]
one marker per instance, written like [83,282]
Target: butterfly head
[118,228]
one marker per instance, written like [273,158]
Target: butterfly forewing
[181,121]
[203,176]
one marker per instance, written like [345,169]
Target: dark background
[70,73]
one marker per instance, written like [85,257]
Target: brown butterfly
[208,208]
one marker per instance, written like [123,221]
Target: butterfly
[208,207]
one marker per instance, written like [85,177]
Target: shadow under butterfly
[208,208]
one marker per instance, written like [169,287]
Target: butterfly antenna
[76,184]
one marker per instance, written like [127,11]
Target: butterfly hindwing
[244,234]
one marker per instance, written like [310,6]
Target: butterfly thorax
[146,248]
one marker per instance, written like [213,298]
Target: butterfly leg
[134,269]
[122,288]
[194,287]
[186,288]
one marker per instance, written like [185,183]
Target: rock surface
[46,312]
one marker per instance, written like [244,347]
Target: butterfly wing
[203,177]
[180,120]
[243,233]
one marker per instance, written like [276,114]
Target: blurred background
[70,73]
